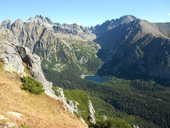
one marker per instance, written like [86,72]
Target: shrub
[55,89]
[31,85]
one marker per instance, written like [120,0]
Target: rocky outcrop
[10,58]
[34,65]
[91,117]
[73,105]
[135,126]
[69,105]
[8,54]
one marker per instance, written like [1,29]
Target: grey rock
[7,23]
[73,106]
[135,126]
[91,117]
[109,25]
[69,105]
[8,55]
[34,64]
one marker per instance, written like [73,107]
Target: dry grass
[39,111]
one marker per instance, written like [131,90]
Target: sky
[85,12]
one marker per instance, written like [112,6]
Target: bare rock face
[6,23]
[34,64]
[73,106]
[8,55]
[136,126]
[91,117]
[69,105]
[12,61]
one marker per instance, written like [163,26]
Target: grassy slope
[39,111]
[101,107]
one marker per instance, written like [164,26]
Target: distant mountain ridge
[135,49]
[148,27]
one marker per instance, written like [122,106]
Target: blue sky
[85,12]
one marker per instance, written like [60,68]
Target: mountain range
[134,54]
[134,49]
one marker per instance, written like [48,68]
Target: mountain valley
[129,56]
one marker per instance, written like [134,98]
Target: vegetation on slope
[112,123]
[31,85]
[145,103]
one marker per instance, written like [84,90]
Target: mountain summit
[110,24]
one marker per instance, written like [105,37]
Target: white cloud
[169,14]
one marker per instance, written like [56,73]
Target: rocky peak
[127,18]
[111,24]
[74,29]
[40,19]
[7,23]
[18,24]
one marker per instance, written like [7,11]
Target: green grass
[82,98]
[137,101]
[55,89]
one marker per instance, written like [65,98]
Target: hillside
[38,111]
